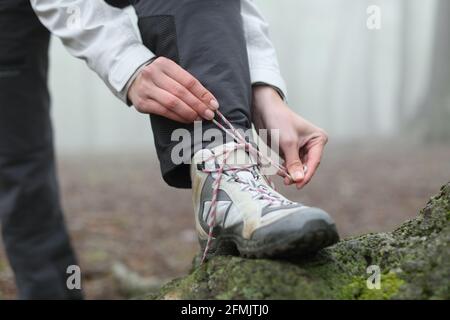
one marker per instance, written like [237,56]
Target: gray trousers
[206,38]
[33,230]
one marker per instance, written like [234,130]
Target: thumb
[293,164]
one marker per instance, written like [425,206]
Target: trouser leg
[206,38]
[33,230]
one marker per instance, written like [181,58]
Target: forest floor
[118,209]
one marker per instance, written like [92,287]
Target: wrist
[133,78]
[265,97]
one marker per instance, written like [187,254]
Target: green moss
[357,288]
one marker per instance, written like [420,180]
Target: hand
[166,89]
[300,141]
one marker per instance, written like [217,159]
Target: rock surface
[414,261]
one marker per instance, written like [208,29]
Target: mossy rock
[413,260]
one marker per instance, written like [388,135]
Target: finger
[293,163]
[188,81]
[313,162]
[287,181]
[151,106]
[172,103]
[168,84]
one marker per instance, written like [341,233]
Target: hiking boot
[251,219]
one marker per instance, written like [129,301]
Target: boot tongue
[236,156]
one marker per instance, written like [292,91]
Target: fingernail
[214,104]
[208,114]
[297,175]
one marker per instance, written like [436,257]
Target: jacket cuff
[269,77]
[126,67]
[132,78]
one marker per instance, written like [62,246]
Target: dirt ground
[118,209]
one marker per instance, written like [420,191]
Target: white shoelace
[248,182]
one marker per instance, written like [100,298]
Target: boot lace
[259,190]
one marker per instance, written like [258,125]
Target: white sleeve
[262,57]
[98,33]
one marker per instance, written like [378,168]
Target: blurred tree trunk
[405,60]
[432,121]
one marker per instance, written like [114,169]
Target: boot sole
[313,236]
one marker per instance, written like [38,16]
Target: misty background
[352,81]
[382,95]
